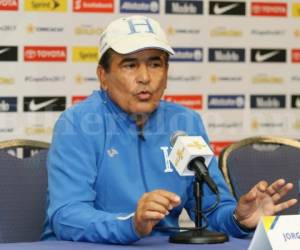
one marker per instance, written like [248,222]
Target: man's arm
[72,171]
[262,199]
[152,208]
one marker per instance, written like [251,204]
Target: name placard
[277,233]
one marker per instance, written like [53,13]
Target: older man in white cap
[110,179]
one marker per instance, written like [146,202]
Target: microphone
[191,155]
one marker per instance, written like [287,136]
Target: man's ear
[101,73]
[167,73]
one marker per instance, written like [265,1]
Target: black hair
[105,60]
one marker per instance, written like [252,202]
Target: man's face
[136,81]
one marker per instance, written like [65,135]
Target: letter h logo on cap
[135,27]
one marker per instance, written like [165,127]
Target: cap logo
[144,27]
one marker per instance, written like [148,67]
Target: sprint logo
[45,5]
[296,9]
[85,54]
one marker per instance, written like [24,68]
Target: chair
[250,160]
[23,187]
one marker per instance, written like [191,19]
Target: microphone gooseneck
[198,165]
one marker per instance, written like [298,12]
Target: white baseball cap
[134,33]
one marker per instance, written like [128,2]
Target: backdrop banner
[236,62]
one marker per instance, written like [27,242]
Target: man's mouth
[144,95]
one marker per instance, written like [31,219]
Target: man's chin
[144,108]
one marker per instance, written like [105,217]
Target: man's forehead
[143,54]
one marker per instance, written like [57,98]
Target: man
[109,176]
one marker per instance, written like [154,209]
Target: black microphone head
[175,135]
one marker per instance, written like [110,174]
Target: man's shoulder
[92,105]
[171,108]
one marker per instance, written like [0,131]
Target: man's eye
[129,65]
[155,64]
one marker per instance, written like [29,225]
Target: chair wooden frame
[16,143]
[251,140]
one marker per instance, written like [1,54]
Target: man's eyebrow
[133,59]
[129,59]
[155,58]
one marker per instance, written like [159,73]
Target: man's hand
[261,200]
[153,207]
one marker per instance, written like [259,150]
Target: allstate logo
[154,7]
[187,55]
[226,101]
[142,6]
[198,55]
[8,104]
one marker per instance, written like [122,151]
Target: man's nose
[143,74]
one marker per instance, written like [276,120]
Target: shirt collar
[120,114]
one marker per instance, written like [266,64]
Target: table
[149,243]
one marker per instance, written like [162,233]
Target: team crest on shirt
[165,151]
[112,152]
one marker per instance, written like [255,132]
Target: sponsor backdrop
[236,63]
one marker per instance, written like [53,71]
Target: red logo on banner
[189,101]
[45,53]
[93,5]
[296,55]
[218,146]
[268,9]
[9,4]
[76,99]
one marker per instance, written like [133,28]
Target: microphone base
[198,237]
